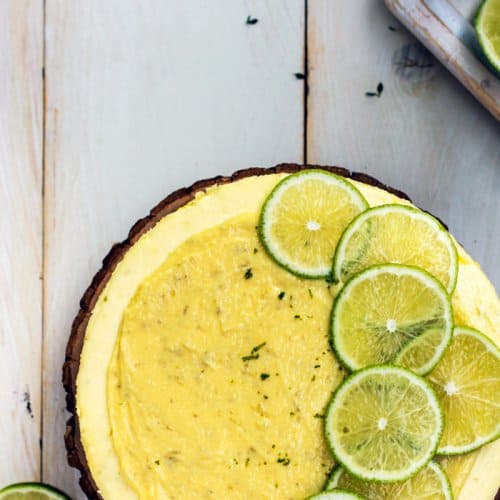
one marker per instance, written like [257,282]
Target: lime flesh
[467,381]
[430,483]
[31,491]
[303,218]
[384,423]
[392,313]
[487,24]
[396,234]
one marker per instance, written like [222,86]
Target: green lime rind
[492,62]
[336,327]
[40,488]
[391,492]
[412,212]
[273,198]
[336,494]
[494,435]
[378,476]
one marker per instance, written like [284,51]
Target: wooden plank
[425,134]
[21,60]
[141,101]
[420,19]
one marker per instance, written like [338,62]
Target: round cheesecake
[198,368]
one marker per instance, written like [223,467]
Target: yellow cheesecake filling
[206,367]
[222,373]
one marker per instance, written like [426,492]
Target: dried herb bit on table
[299,76]
[378,93]
[251,20]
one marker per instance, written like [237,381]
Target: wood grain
[21,60]
[425,134]
[141,101]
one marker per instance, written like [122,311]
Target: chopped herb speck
[254,353]
[157,462]
[263,376]
[300,76]
[255,250]
[297,316]
[310,293]
[281,295]
[250,357]
[248,273]
[251,20]
[258,347]
[318,415]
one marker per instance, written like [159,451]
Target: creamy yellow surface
[172,363]
[190,400]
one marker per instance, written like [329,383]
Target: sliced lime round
[467,381]
[31,491]
[392,313]
[303,218]
[384,423]
[396,234]
[430,482]
[487,24]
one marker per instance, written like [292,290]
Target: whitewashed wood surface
[140,98]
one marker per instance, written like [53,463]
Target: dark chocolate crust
[177,199]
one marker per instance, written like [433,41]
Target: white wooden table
[108,105]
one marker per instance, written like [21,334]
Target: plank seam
[306,82]
[44,149]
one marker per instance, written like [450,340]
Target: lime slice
[392,313]
[31,491]
[398,234]
[487,24]
[303,218]
[430,482]
[416,354]
[336,494]
[384,423]
[467,381]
